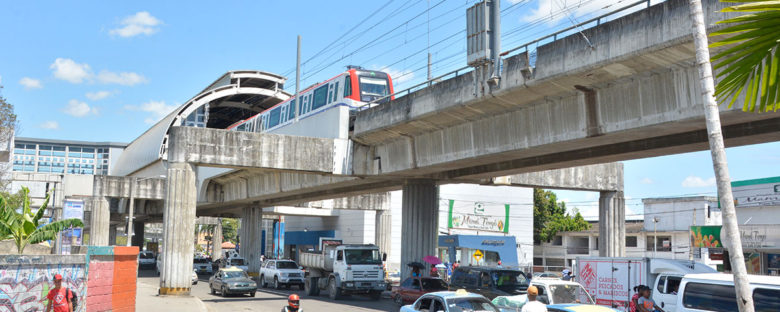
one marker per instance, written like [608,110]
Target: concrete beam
[599,177]
[234,149]
[119,187]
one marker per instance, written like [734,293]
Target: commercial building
[64,156]
[662,232]
[758,212]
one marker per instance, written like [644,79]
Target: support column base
[165,291]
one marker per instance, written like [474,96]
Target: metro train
[353,88]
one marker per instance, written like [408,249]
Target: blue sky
[106,70]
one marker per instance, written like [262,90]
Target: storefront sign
[753,193]
[492,242]
[706,236]
[479,216]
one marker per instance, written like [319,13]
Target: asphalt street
[272,300]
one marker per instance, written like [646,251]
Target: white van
[715,292]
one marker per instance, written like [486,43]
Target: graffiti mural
[24,286]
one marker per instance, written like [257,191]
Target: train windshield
[372,88]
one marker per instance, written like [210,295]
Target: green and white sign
[755,193]
[478,216]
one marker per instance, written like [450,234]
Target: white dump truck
[611,281]
[344,270]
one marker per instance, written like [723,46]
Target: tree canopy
[229,230]
[550,217]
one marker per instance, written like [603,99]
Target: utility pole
[298,80]
[131,212]
[732,240]
[495,38]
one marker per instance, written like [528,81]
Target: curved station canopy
[235,96]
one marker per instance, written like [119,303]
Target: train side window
[304,101]
[320,97]
[283,113]
[274,117]
[336,91]
[330,93]
[347,86]
[291,109]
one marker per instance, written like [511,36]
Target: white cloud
[50,125]
[694,181]
[158,110]
[137,24]
[30,83]
[646,181]
[76,108]
[70,71]
[123,78]
[99,95]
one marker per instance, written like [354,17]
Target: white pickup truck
[281,273]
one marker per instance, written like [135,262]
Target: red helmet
[294,301]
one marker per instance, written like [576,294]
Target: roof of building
[67,142]
[234,96]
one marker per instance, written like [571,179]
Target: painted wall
[112,277]
[26,280]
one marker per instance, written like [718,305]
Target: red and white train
[351,89]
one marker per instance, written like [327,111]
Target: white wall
[677,214]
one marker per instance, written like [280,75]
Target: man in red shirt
[59,297]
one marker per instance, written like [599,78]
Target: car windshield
[470,305]
[237,262]
[201,260]
[569,294]
[373,86]
[433,284]
[363,256]
[234,274]
[509,279]
[147,255]
[286,265]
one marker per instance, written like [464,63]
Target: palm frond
[49,231]
[39,213]
[748,66]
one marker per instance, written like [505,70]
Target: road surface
[271,300]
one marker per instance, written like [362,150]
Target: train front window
[372,88]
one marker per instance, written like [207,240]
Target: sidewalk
[147,300]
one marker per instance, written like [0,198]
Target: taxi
[451,301]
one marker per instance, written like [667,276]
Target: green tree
[748,64]
[23,226]
[230,230]
[550,217]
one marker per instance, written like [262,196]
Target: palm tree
[718,151]
[750,57]
[23,226]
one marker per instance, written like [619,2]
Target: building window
[596,243]
[662,243]
[631,241]
[557,240]
[538,261]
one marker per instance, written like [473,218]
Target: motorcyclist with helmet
[293,304]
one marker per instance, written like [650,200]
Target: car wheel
[398,300]
[213,292]
[252,294]
[276,283]
[223,291]
[263,284]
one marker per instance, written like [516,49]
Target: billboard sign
[72,209]
[706,236]
[479,216]
[755,193]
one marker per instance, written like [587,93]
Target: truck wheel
[333,292]
[262,281]
[311,286]
[375,295]
[276,283]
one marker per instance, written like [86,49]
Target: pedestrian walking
[59,297]
[533,305]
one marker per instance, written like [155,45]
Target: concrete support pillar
[138,234]
[112,235]
[216,241]
[612,224]
[420,222]
[251,238]
[100,219]
[382,231]
[178,230]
